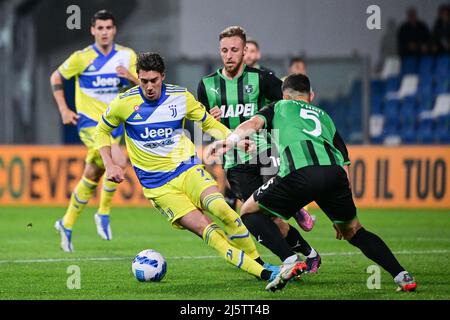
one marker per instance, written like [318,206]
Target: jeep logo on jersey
[157,133]
[106,82]
[248,89]
[246,110]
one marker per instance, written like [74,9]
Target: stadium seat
[408,86]
[409,65]
[392,86]
[443,65]
[442,84]
[391,112]
[426,64]
[408,109]
[391,67]
[426,102]
[443,129]
[425,85]
[425,131]
[376,123]
[408,132]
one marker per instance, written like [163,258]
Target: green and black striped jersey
[305,136]
[239,99]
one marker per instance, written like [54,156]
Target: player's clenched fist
[114,173]
[216,113]
[69,117]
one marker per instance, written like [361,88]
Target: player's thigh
[337,201]
[170,202]
[244,180]
[87,136]
[194,183]
[276,197]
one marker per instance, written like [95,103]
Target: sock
[216,238]
[291,259]
[267,233]
[235,229]
[312,254]
[108,190]
[376,250]
[296,241]
[80,197]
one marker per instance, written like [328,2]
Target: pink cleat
[305,220]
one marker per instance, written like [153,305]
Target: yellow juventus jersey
[96,80]
[157,146]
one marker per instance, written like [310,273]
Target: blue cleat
[103,226]
[66,236]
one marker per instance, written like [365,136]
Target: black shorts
[244,179]
[328,186]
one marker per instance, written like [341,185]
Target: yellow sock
[108,190]
[233,225]
[216,238]
[80,197]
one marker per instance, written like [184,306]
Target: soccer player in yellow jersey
[100,70]
[168,169]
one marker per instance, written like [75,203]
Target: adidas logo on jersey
[137,117]
[246,110]
[92,68]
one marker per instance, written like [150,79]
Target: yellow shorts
[181,195]
[87,136]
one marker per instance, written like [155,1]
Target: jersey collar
[219,72]
[155,103]
[113,51]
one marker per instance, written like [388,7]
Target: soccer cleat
[407,283]
[271,267]
[313,264]
[305,220]
[66,236]
[103,227]
[287,272]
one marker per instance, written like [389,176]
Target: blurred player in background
[241,91]
[296,66]
[167,167]
[253,55]
[100,70]
[314,167]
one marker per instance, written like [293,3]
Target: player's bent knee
[92,172]
[283,226]
[249,206]
[350,229]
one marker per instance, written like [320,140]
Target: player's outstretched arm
[67,115]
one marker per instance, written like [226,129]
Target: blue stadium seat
[426,102]
[409,65]
[425,131]
[376,104]
[408,109]
[408,132]
[443,129]
[392,84]
[426,64]
[391,112]
[442,84]
[443,65]
[425,85]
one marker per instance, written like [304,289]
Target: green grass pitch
[33,267]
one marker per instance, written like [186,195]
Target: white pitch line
[323,254]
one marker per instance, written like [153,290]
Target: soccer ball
[149,265]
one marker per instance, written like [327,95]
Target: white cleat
[287,272]
[66,236]
[103,226]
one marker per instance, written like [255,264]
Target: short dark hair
[295,60]
[233,31]
[103,15]
[297,82]
[254,42]
[150,61]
